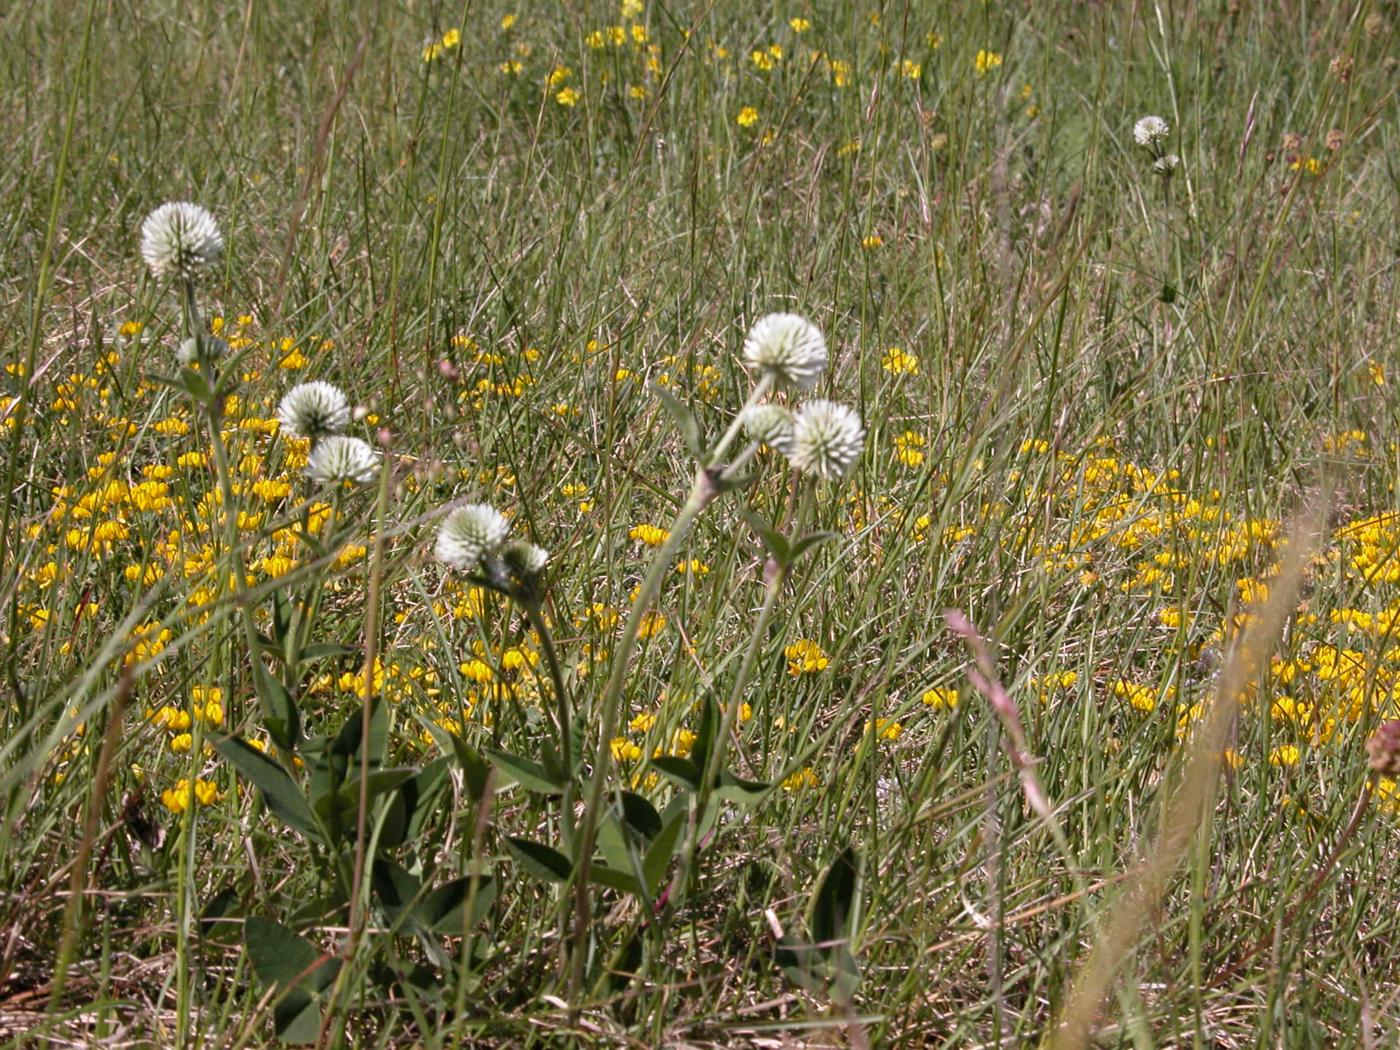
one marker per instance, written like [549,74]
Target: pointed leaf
[614,879]
[679,770]
[737,789]
[280,712]
[805,543]
[539,860]
[530,775]
[684,419]
[295,968]
[773,541]
[441,909]
[659,854]
[279,790]
[833,905]
[475,769]
[640,815]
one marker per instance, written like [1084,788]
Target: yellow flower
[986,60]
[885,728]
[909,448]
[1142,697]
[799,25]
[651,625]
[938,699]
[451,38]
[747,118]
[874,240]
[910,70]
[805,777]
[567,97]
[507,21]
[651,535]
[623,750]
[805,657]
[1284,755]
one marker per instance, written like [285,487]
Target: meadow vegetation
[812,526]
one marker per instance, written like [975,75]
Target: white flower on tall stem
[789,348]
[827,439]
[188,351]
[181,239]
[1151,132]
[469,534]
[314,410]
[338,458]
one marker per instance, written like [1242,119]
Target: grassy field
[1129,409]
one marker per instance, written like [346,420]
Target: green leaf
[737,789]
[805,543]
[530,775]
[279,790]
[684,419]
[679,770]
[395,888]
[420,793]
[280,712]
[475,769]
[339,809]
[297,971]
[705,734]
[640,815]
[347,741]
[441,909]
[834,903]
[196,385]
[614,879]
[539,860]
[613,843]
[773,541]
[321,650]
[659,853]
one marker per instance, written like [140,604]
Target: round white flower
[469,534]
[188,351]
[180,240]
[314,410]
[789,348]
[1149,131]
[525,559]
[338,458]
[827,439]
[770,424]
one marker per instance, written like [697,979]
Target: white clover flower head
[768,423]
[180,240]
[469,534]
[314,410]
[525,559]
[1150,131]
[188,351]
[337,459]
[827,439]
[1165,165]
[787,347]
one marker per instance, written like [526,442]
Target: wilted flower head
[314,410]
[827,439]
[1165,165]
[338,458]
[787,347]
[1149,131]
[525,559]
[188,351]
[469,534]
[770,424]
[1384,749]
[180,239]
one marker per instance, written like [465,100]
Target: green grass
[1198,347]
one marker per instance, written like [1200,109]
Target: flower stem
[702,492]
